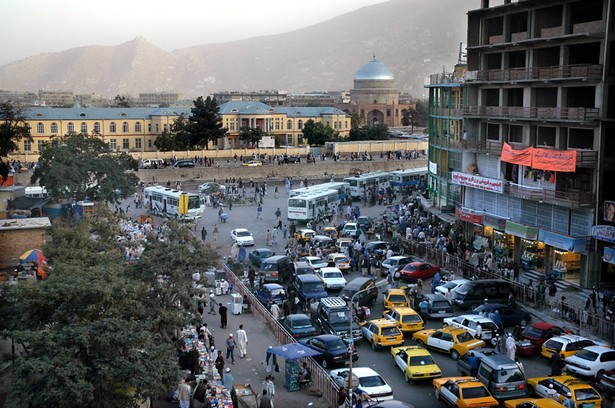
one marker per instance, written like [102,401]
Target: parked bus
[340,186]
[408,178]
[313,206]
[376,180]
[162,201]
[36,192]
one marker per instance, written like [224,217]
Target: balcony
[569,199]
[487,146]
[587,158]
[550,114]
[562,72]
[447,112]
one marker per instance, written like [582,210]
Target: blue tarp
[293,351]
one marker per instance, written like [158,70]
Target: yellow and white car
[463,392]
[416,363]
[567,345]
[532,403]
[583,394]
[452,340]
[341,261]
[395,298]
[382,333]
[406,318]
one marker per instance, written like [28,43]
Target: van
[278,268]
[473,293]
[501,375]
[368,297]
[152,163]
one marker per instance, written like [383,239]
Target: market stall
[291,353]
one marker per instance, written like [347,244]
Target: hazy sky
[32,27]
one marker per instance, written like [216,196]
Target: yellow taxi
[463,392]
[343,243]
[532,403]
[331,232]
[416,363]
[395,298]
[341,261]
[406,318]
[452,340]
[305,234]
[583,394]
[382,333]
[566,345]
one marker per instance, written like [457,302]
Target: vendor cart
[525,348]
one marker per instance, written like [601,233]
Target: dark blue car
[270,293]
[257,255]
[299,325]
[334,350]
[510,316]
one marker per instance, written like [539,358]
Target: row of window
[289,125]
[83,128]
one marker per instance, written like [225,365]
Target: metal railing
[558,72]
[567,198]
[582,115]
[580,318]
[320,378]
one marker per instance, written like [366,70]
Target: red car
[418,270]
[539,332]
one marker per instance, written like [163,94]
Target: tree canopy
[98,332]
[251,136]
[13,128]
[204,123]
[78,166]
[375,132]
[317,133]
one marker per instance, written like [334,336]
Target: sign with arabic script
[604,233]
[479,182]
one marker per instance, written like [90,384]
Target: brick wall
[13,243]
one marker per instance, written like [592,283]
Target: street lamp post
[378,285]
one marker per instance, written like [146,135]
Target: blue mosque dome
[374,71]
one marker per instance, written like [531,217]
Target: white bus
[408,178]
[36,192]
[162,201]
[358,184]
[340,186]
[313,206]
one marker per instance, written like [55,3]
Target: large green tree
[317,133]
[375,132]
[13,128]
[204,124]
[251,136]
[79,166]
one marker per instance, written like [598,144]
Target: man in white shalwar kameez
[242,341]
[511,347]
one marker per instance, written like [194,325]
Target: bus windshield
[296,202]
[194,202]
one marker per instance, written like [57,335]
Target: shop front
[501,243]
[527,250]
[605,235]
[563,255]
[472,228]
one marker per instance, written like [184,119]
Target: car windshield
[463,289]
[337,344]
[587,355]
[464,337]
[317,260]
[510,374]
[277,292]
[339,316]
[450,285]
[302,323]
[534,332]
[242,233]
[440,304]
[371,381]
[390,331]
[584,394]
[397,299]
[421,360]
[409,267]
[269,266]
[474,392]
[554,345]
[332,275]
[411,318]
[313,287]
[341,259]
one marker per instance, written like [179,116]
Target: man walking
[259,212]
[203,234]
[230,348]
[242,341]
[223,310]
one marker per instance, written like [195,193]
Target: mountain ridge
[412,38]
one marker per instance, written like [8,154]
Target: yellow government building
[135,129]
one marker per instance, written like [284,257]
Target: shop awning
[522,231]
[446,217]
[563,242]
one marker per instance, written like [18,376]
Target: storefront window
[566,265]
[532,254]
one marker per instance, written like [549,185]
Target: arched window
[54,128]
[71,127]
[289,124]
[97,127]
[112,127]
[84,127]
[300,124]
[40,128]
[388,112]
[138,127]
[125,127]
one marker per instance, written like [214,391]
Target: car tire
[436,393]
[599,375]
[374,346]
[325,365]
[454,354]
[408,380]
[420,343]
[530,391]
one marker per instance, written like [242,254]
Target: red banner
[521,157]
[541,159]
[554,160]
[464,215]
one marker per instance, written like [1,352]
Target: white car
[365,379]
[395,263]
[331,277]
[212,187]
[452,285]
[591,361]
[315,262]
[349,230]
[470,322]
[242,236]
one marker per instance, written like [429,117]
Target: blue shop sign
[563,242]
[604,233]
[609,255]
